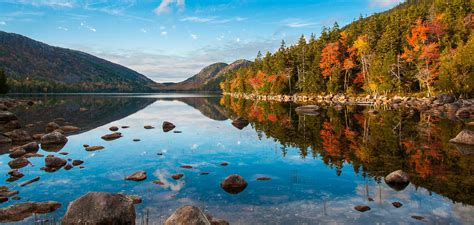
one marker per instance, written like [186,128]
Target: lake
[320,166]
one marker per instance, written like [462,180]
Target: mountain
[207,79]
[33,66]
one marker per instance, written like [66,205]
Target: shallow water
[321,166]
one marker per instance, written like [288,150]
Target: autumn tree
[331,64]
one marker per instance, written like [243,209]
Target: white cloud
[50,3]
[63,28]
[237,39]
[197,19]
[194,36]
[164,33]
[3,23]
[166,4]
[384,3]
[143,30]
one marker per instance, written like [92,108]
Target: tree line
[420,46]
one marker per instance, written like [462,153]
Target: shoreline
[442,105]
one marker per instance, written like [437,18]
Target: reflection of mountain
[86,112]
[208,106]
[374,145]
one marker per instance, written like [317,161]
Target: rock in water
[362,208]
[308,110]
[18,136]
[30,181]
[397,180]
[53,163]
[31,147]
[6,117]
[240,123]
[19,152]
[18,163]
[94,148]
[177,176]
[50,127]
[148,127]
[100,208]
[234,184]
[53,141]
[137,176]
[114,128]
[70,129]
[168,126]
[77,162]
[187,215]
[112,136]
[397,204]
[135,199]
[465,137]
[21,211]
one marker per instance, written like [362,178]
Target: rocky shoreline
[445,106]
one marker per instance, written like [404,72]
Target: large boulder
[397,180]
[53,141]
[168,126]
[233,184]
[6,117]
[96,208]
[187,215]
[18,136]
[24,210]
[465,137]
[240,123]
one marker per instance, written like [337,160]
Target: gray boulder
[96,208]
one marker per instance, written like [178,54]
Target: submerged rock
[397,204]
[94,148]
[30,181]
[135,199]
[100,208]
[21,211]
[149,127]
[112,136]
[177,176]
[362,208]
[234,184]
[397,180]
[168,126]
[68,166]
[465,137]
[418,217]
[52,126]
[240,123]
[264,178]
[224,163]
[308,110]
[19,136]
[137,176]
[187,215]
[158,182]
[186,167]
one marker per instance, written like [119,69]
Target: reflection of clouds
[465,213]
[163,176]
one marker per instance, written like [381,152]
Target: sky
[171,40]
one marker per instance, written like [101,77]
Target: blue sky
[170,40]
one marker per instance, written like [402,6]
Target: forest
[420,47]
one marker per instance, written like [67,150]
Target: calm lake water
[321,166]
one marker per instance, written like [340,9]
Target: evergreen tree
[3,83]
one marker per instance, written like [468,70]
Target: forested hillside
[32,66]
[420,46]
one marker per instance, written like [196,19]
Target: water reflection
[321,166]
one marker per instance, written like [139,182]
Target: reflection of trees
[374,144]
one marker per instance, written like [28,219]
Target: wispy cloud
[63,28]
[143,30]
[194,36]
[165,6]
[384,3]
[3,23]
[214,20]
[49,3]
[297,23]
[88,27]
